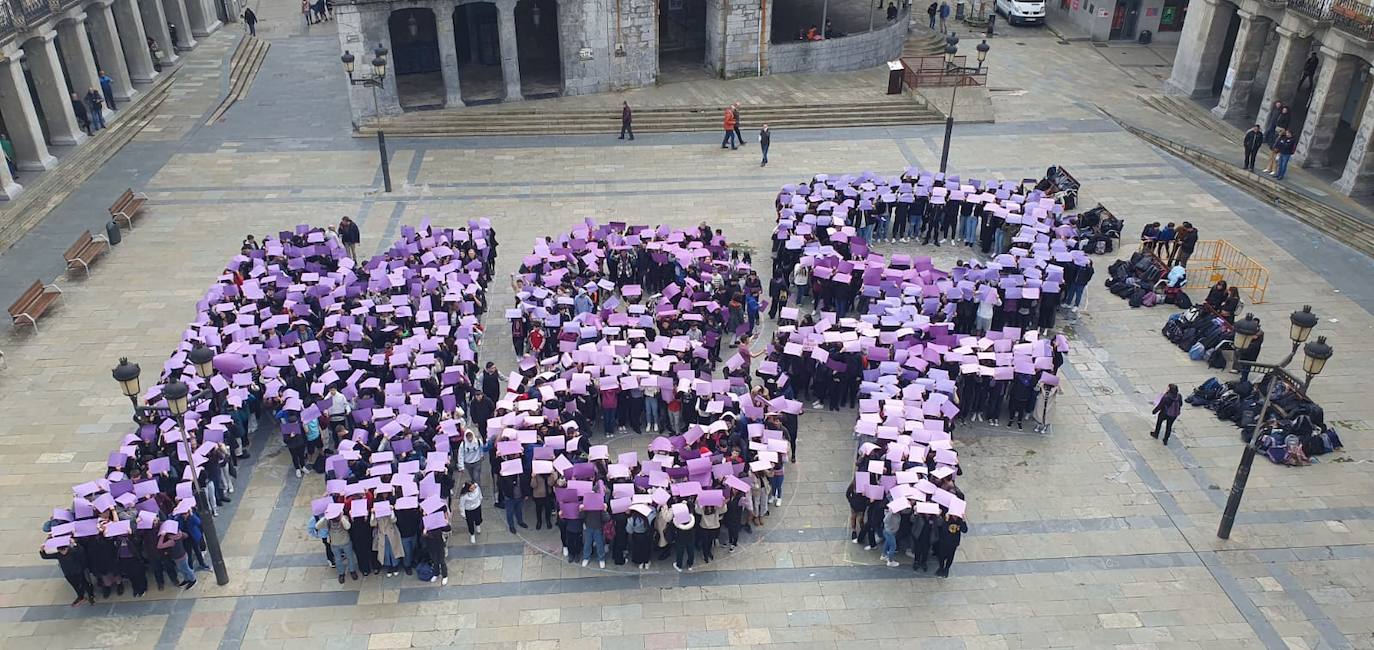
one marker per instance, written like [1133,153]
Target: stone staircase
[243,70]
[921,41]
[897,111]
[1185,110]
[1356,231]
[49,190]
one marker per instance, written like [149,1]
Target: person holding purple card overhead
[71,558]
[436,545]
[170,544]
[336,524]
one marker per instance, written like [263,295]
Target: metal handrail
[1317,9]
[933,71]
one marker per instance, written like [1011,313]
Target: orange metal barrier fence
[1218,259]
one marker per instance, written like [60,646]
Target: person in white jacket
[471,503]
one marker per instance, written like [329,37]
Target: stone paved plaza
[1092,536]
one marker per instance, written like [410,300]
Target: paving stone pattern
[1092,536]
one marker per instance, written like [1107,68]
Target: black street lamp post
[377,80]
[179,401]
[1316,354]
[952,49]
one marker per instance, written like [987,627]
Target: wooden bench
[33,303]
[84,251]
[128,206]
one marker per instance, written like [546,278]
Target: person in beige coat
[386,542]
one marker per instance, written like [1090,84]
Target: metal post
[1247,458]
[949,127]
[386,164]
[825,9]
[207,518]
[870,14]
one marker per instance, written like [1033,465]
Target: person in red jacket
[729,128]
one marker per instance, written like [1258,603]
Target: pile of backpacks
[1294,430]
[1134,280]
[1097,228]
[1201,333]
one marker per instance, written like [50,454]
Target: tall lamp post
[374,82]
[1315,353]
[177,396]
[951,50]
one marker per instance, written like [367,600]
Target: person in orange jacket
[729,128]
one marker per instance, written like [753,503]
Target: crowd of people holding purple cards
[301,333]
[611,332]
[925,349]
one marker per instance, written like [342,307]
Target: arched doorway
[536,36]
[682,40]
[1228,47]
[415,56]
[478,41]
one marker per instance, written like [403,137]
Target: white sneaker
[868,547]
[299,474]
[472,539]
[565,551]
[603,564]
[479,529]
[892,563]
[675,566]
[434,579]
[444,581]
[584,563]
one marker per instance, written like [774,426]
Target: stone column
[176,14]
[448,53]
[1245,62]
[203,18]
[1284,74]
[101,22]
[1324,112]
[1358,176]
[51,85]
[9,190]
[21,120]
[510,50]
[76,53]
[133,40]
[155,25]
[1199,48]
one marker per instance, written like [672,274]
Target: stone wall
[592,62]
[732,36]
[853,52]
[361,28]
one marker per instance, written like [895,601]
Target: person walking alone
[933,9]
[729,125]
[251,20]
[107,89]
[1309,73]
[1254,139]
[944,17]
[626,119]
[1166,411]
[765,137]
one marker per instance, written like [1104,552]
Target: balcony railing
[1353,17]
[1319,10]
[7,26]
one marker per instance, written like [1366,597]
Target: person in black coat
[350,236]
[491,383]
[72,560]
[1022,393]
[1254,139]
[83,118]
[922,529]
[948,533]
[436,547]
[360,533]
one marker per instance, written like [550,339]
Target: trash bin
[894,77]
[112,232]
[1145,37]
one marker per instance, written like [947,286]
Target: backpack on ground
[1197,352]
[424,571]
[1182,301]
[1149,299]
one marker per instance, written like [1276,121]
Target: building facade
[1122,20]
[449,53]
[1245,56]
[50,49]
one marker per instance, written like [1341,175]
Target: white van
[1022,12]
